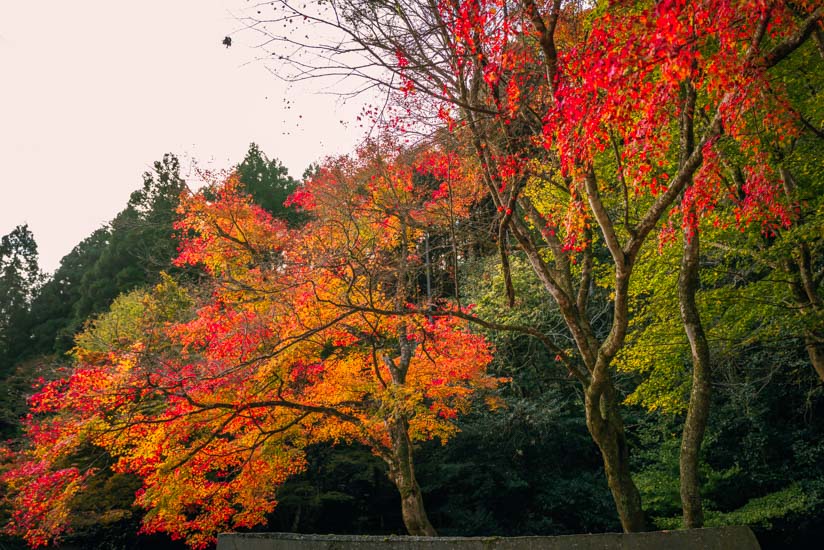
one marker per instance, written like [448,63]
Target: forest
[571,282]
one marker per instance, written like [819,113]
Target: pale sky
[92,92]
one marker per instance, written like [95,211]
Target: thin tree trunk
[818,34]
[814,345]
[806,290]
[607,430]
[803,284]
[296,521]
[402,474]
[699,404]
[601,401]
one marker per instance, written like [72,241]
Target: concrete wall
[722,538]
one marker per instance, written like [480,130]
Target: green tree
[51,320]
[19,280]
[269,184]
[141,244]
[129,252]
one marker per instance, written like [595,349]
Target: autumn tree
[768,143]
[793,250]
[589,124]
[372,218]
[295,339]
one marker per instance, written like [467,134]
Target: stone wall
[722,538]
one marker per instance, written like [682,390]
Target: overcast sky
[92,92]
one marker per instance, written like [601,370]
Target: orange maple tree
[297,340]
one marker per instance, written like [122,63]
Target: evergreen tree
[127,253]
[269,184]
[19,278]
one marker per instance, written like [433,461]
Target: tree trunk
[803,283]
[607,430]
[402,474]
[401,465]
[815,349]
[806,291]
[699,405]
